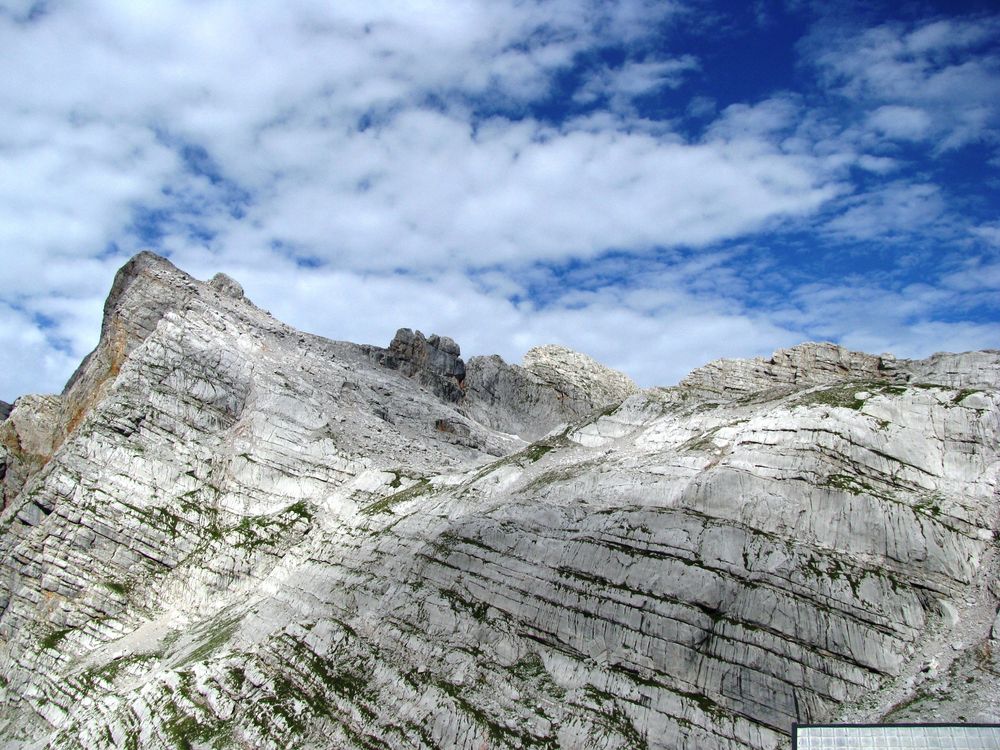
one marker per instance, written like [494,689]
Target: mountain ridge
[228,532]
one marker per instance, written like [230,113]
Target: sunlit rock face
[226,532]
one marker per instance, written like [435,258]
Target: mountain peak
[574,372]
[269,539]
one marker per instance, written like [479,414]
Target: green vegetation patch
[217,635]
[420,487]
[106,674]
[529,455]
[536,450]
[840,396]
[54,638]
[186,731]
[929,505]
[844,395]
[963,394]
[701,443]
[847,483]
[118,587]
[265,529]
[478,610]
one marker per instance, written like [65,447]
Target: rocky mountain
[228,533]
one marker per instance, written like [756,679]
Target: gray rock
[228,528]
[554,387]
[434,362]
[578,377]
[806,364]
[30,435]
[4,410]
[227,285]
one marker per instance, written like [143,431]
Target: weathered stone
[227,285]
[806,364]
[29,436]
[578,376]
[555,386]
[434,362]
[233,532]
[4,410]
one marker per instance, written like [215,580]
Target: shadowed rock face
[554,387]
[4,410]
[434,362]
[228,532]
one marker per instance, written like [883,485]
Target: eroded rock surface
[554,387]
[806,364]
[236,534]
[29,436]
[434,362]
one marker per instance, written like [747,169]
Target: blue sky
[657,184]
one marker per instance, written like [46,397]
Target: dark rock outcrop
[4,410]
[433,361]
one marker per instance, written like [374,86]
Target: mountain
[228,533]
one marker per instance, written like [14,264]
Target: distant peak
[227,285]
[810,363]
[145,264]
[434,360]
[577,373]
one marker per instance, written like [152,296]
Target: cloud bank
[507,172]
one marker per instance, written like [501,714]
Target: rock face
[4,410]
[29,437]
[434,362]
[229,533]
[555,386]
[578,377]
[810,364]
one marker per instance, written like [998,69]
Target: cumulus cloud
[33,360]
[361,167]
[618,86]
[938,78]
[348,136]
[896,209]
[905,123]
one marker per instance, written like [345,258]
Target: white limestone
[229,533]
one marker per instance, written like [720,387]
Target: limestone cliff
[226,532]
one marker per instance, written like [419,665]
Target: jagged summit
[818,363]
[806,364]
[228,533]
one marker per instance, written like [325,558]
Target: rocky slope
[228,533]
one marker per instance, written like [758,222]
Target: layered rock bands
[225,532]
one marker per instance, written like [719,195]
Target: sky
[656,183]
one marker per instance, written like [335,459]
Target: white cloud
[761,120]
[877,315]
[31,363]
[107,99]
[897,209]
[933,79]
[243,137]
[903,123]
[620,85]
[989,233]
